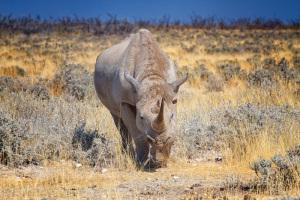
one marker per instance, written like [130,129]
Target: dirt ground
[64,180]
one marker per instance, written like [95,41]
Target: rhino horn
[150,138]
[132,81]
[176,84]
[159,124]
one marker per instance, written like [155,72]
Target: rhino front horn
[159,123]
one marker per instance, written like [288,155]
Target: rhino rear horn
[159,123]
[132,81]
[150,138]
[176,84]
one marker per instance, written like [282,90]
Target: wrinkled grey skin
[137,82]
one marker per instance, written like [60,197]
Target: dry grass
[58,180]
[243,150]
[43,55]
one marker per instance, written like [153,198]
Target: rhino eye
[174,101]
[141,117]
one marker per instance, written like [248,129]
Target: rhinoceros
[136,81]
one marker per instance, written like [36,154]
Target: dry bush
[214,83]
[40,91]
[73,80]
[11,84]
[92,147]
[13,149]
[233,129]
[230,69]
[296,62]
[271,72]
[240,149]
[34,130]
[203,72]
[281,173]
[262,78]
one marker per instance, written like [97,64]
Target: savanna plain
[238,114]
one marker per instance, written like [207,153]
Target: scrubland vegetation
[238,115]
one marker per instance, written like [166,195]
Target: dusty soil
[194,180]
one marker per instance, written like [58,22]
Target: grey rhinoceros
[137,83]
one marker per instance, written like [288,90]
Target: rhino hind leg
[126,138]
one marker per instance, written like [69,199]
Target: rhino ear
[176,84]
[134,83]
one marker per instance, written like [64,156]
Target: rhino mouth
[153,164]
[149,162]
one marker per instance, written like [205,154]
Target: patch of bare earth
[64,180]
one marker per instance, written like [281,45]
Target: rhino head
[156,116]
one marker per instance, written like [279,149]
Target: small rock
[176,177]
[77,165]
[104,170]
[218,159]
[195,185]
[93,186]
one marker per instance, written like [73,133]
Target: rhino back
[107,76]
[140,56]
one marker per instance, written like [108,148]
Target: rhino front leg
[126,137]
[141,145]
[141,152]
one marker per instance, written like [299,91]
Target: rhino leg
[141,144]
[141,153]
[126,138]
